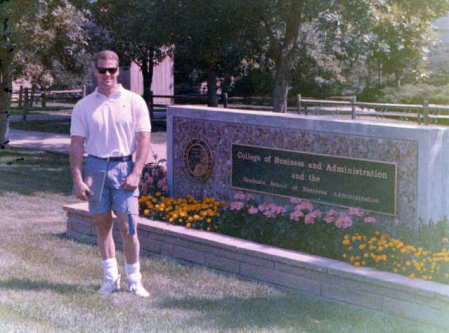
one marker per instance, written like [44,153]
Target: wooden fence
[27,97]
[347,106]
[423,114]
[337,106]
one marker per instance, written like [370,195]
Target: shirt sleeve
[143,123]
[77,126]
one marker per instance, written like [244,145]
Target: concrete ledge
[298,272]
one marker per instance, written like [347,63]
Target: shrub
[154,178]
[416,94]
[299,226]
[189,212]
[390,254]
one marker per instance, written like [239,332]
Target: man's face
[106,74]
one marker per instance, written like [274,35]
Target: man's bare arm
[76,166]
[143,147]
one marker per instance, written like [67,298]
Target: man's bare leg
[105,240]
[131,247]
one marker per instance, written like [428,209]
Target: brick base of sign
[294,271]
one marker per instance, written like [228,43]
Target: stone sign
[397,171]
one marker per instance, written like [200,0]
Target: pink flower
[329,219]
[369,219]
[250,196]
[354,211]
[343,221]
[305,205]
[271,210]
[331,215]
[331,212]
[316,213]
[295,200]
[253,210]
[236,205]
[243,196]
[239,196]
[296,215]
[310,218]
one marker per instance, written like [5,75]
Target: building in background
[163,80]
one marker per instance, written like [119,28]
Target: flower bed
[308,275]
[349,235]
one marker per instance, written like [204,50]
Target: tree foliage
[138,30]
[214,37]
[38,38]
[301,43]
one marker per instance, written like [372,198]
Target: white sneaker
[138,289]
[109,286]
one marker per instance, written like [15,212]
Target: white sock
[133,272]
[110,269]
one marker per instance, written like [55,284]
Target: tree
[343,33]
[138,31]
[37,37]
[215,36]
[402,34]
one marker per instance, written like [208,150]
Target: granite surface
[220,135]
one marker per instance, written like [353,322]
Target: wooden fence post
[299,103]
[26,103]
[225,99]
[33,92]
[426,111]
[353,101]
[20,97]
[84,88]
[43,99]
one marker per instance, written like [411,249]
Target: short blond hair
[106,55]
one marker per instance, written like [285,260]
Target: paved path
[60,143]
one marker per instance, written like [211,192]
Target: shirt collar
[117,93]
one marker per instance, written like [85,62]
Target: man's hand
[131,182]
[82,191]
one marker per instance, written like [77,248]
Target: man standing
[109,126]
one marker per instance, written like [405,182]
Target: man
[110,125]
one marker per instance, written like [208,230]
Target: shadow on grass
[231,312]
[62,126]
[33,285]
[82,239]
[29,172]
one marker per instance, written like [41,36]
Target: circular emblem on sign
[198,160]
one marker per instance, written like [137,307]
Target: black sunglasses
[103,70]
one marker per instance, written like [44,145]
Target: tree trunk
[284,60]
[5,100]
[212,98]
[280,89]
[147,68]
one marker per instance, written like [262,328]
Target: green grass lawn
[48,283]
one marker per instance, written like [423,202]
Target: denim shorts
[104,179]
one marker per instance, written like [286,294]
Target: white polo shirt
[109,124]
